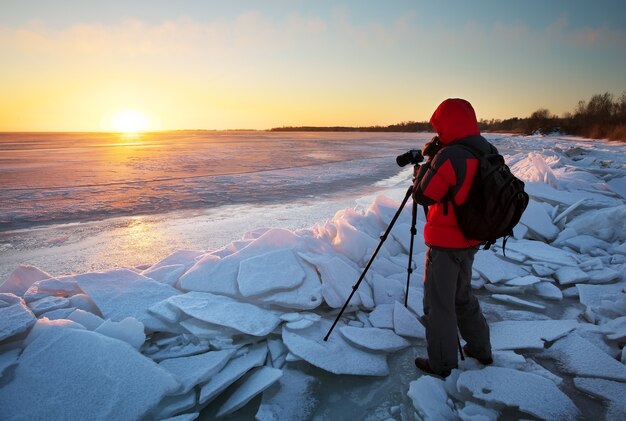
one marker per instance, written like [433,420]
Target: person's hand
[432,148]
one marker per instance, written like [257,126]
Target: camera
[414,156]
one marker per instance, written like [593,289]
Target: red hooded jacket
[449,174]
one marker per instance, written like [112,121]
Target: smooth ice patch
[374,339]
[528,334]
[529,392]
[224,311]
[122,293]
[335,355]
[291,398]
[607,390]
[580,357]
[83,370]
[276,270]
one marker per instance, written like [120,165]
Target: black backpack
[495,202]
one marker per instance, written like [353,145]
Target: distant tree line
[406,126]
[602,117]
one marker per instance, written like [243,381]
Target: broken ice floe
[199,324]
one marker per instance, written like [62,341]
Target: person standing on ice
[448,299]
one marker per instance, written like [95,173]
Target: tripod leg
[409,269]
[382,240]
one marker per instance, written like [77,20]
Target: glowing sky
[74,65]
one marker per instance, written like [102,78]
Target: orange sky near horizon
[261,67]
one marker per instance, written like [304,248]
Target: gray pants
[448,303]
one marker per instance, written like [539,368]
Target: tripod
[382,240]
[383,237]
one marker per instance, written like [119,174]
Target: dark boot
[424,365]
[483,361]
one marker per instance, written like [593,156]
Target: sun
[130,121]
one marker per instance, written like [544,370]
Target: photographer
[448,299]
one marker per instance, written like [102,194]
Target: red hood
[454,119]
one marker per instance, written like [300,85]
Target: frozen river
[100,200]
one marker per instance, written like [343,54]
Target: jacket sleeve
[433,182]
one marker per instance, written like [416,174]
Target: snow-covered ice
[532,394]
[204,331]
[95,377]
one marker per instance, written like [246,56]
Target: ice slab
[15,319]
[586,244]
[335,355]
[122,293]
[618,185]
[257,382]
[528,334]
[83,302]
[219,276]
[548,291]
[187,258]
[537,219]
[593,295]
[386,290]
[233,371]
[430,399]
[168,274]
[607,390]
[61,313]
[89,320]
[43,325]
[291,398]
[495,269]
[523,281]
[129,330]
[22,278]
[374,339]
[529,392]
[197,369]
[615,330]
[276,270]
[224,311]
[382,316]
[405,323]
[63,365]
[517,301]
[568,275]
[580,357]
[606,224]
[542,252]
[58,287]
[338,277]
[48,304]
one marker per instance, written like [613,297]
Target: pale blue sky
[259,64]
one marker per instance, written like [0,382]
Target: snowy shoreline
[250,314]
